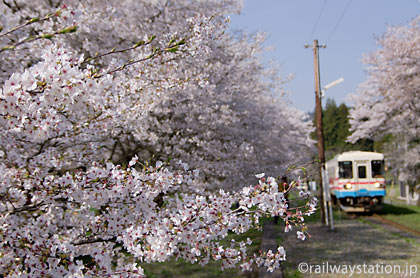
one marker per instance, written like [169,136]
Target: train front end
[356,181]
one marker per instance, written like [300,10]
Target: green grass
[181,268]
[407,215]
[291,273]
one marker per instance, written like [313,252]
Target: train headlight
[347,186]
[377,184]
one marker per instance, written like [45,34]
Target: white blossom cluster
[81,223]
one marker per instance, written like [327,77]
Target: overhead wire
[339,21]
[317,21]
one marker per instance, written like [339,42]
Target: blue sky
[348,28]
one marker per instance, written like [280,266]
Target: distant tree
[336,129]
[386,106]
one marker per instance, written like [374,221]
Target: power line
[317,21]
[339,20]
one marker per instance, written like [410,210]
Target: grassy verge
[181,268]
[407,215]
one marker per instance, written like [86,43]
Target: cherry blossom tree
[211,123]
[233,125]
[79,89]
[388,102]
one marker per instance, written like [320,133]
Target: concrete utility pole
[319,129]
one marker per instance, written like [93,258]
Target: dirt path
[370,248]
[269,243]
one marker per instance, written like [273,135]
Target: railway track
[395,225]
[378,219]
[381,220]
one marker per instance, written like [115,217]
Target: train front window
[345,170]
[361,172]
[377,168]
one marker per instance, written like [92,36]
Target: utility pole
[319,130]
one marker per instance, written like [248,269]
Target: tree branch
[29,22]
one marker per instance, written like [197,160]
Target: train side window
[361,172]
[377,168]
[345,170]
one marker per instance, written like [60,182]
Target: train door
[361,177]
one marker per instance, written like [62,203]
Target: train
[356,181]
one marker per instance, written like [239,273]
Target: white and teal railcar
[356,180]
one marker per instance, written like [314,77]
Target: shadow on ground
[352,242]
[395,210]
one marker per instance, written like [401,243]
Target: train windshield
[345,170]
[377,168]
[361,170]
